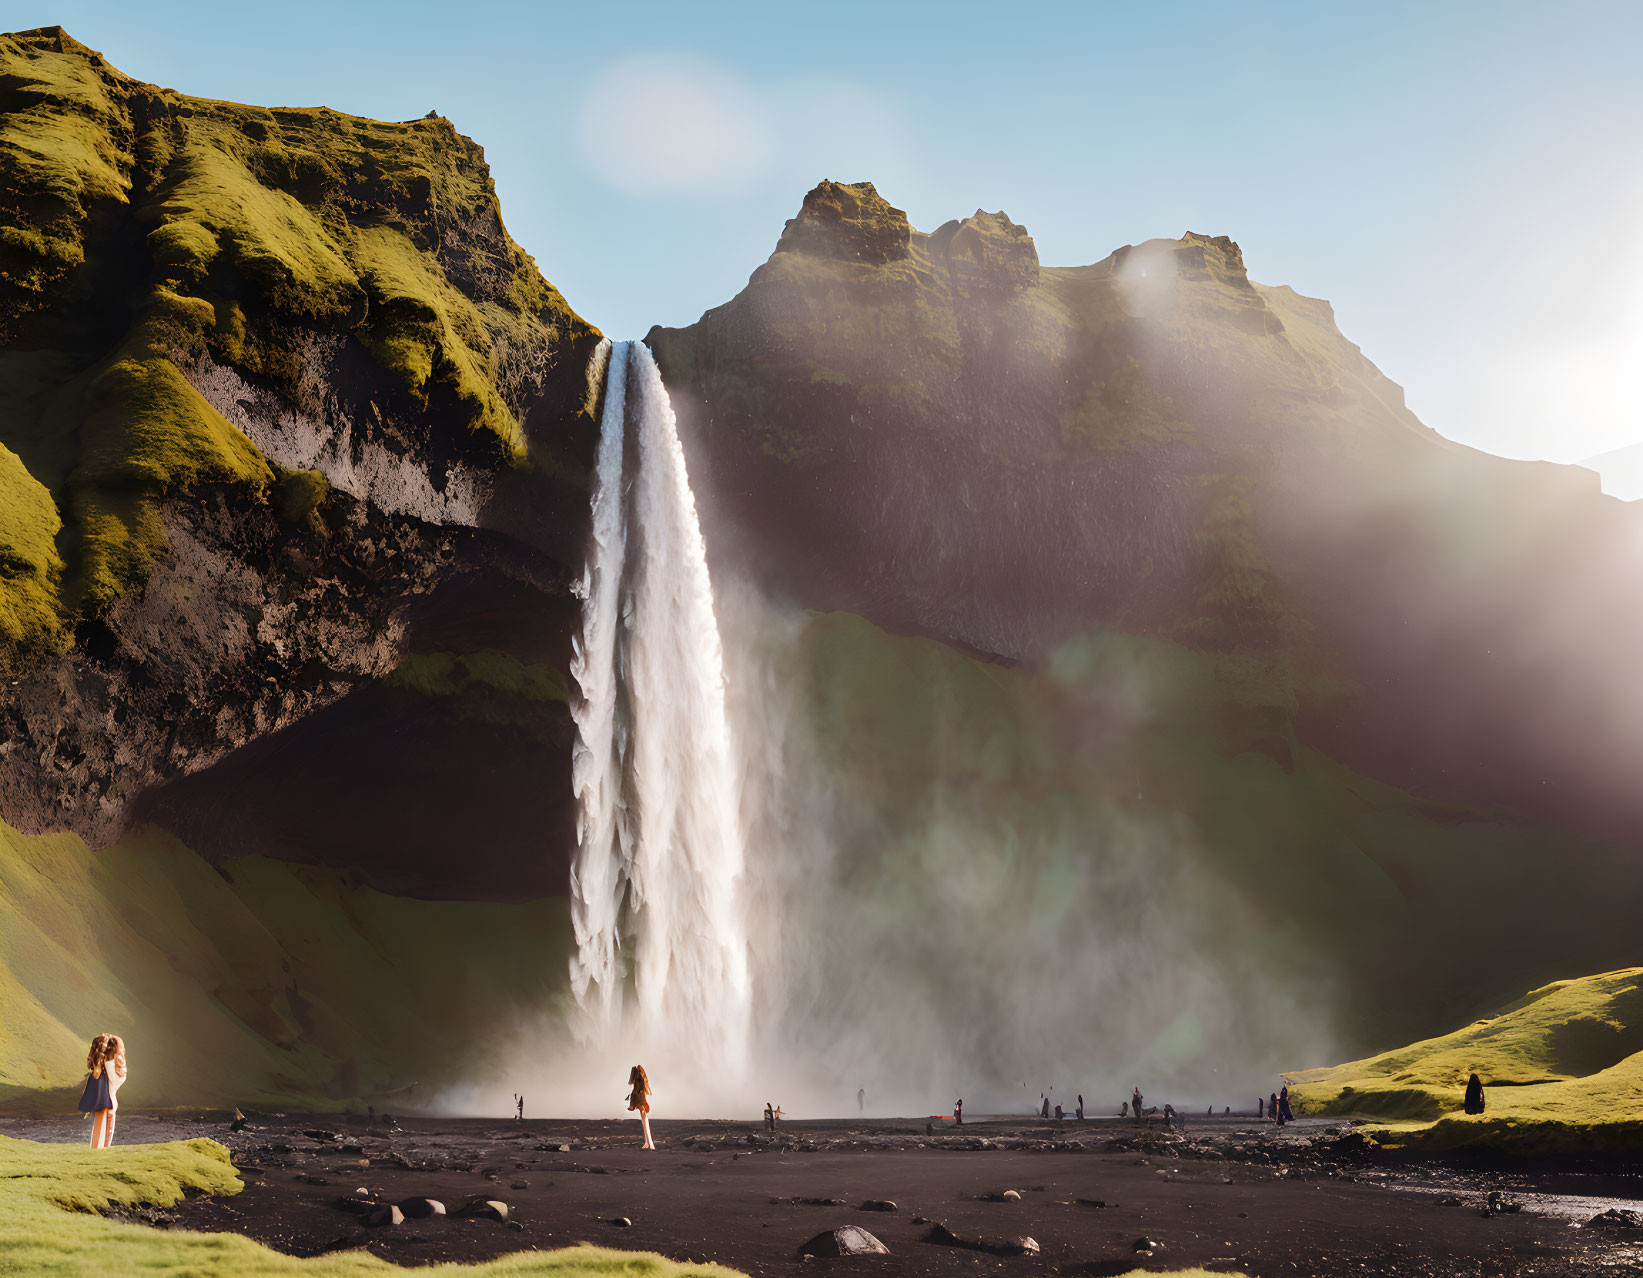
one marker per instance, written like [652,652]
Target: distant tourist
[1044,1111]
[639,1099]
[958,1112]
[769,1118]
[1260,1107]
[1081,1107]
[1124,1110]
[1284,1111]
[1272,1109]
[105,1075]
[1058,1114]
[1135,1103]
[1474,1095]
[861,1099]
[519,1108]
[1172,1117]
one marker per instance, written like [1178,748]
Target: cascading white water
[656,878]
[596,878]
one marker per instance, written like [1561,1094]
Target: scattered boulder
[1010,1196]
[945,1237]
[385,1215]
[1146,1246]
[877,1204]
[422,1208]
[316,1134]
[1497,1204]
[1617,1218]
[622,1222]
[486,1208]
[847,1240]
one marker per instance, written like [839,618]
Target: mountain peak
[987,251]
[850,221]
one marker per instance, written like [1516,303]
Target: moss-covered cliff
[265,376]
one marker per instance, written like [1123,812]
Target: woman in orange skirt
[639,1099]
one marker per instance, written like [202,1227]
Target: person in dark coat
[1284,1111]
[1474,1095]
[1272,1109]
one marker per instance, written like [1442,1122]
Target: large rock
[847,1240]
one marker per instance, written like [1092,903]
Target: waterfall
[661,959]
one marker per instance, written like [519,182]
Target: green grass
[50,1194]
[490,685]
[30,568]
[1562,1070]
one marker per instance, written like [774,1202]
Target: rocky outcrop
[849,222]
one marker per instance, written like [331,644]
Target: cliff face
[270,381]
[954,440]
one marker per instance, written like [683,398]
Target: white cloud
[661,125]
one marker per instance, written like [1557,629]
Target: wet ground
[1096,1198]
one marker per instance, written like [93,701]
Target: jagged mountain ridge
[938,432]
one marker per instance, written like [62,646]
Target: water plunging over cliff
[661,959]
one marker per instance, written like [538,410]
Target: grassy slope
[1562,1069]
[250,984]
[1136,766]
[137,223]
[49,1195]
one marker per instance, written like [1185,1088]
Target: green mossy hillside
[50,1197]
[1562,1069]
[139,227]
[259,981]
[1149,817]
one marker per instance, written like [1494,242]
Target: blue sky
[1463,181]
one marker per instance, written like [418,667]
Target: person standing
[1135,1103]
[1081,1107]
[861,1099]
[1260,1107]
[1474,1095]
[105,1075]
[639,1099]
[958,1112]
[1272,1109]
[1284,1111]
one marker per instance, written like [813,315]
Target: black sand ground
[1228,1194]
